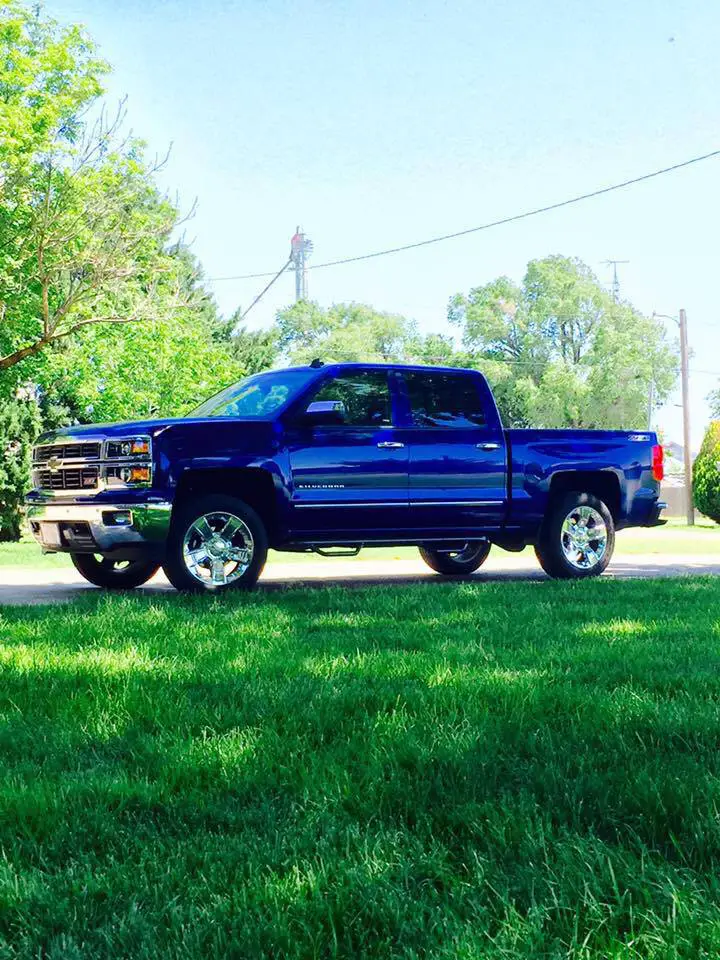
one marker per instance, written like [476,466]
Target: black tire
[114,574]
[556,544]
[459,563]
[186,543]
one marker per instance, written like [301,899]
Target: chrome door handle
[390,445]
[490,445]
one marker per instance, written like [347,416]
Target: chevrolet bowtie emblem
[54,463]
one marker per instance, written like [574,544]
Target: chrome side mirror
[325,412]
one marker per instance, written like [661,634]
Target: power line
[493,223]
[263,291]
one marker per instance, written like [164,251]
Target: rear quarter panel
[536,456]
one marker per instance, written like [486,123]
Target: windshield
[257,396]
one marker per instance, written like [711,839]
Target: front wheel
[457,563]
[578,537]
[114,574]
[216,543]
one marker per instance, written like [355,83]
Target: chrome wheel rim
[468,552]
[584,538]
[218,548]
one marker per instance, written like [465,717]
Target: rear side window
[444,400]
[365,396]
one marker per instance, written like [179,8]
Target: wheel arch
[253,485]
[603,484]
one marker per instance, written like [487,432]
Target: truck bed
[539,458]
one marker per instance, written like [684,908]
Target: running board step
[337,551]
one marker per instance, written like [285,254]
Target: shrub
[19,427]
[706,474]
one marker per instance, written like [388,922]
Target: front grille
[67,451]
[71,478]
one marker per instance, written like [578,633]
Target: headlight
[129,476]
[135,474]
[132,447]
[136,471]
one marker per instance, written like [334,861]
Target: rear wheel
[578,537]
[113,574]
[457,562]
[216,543]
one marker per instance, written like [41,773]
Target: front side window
[364,395]
[444,400]
[259,396]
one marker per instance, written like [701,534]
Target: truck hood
[132,428]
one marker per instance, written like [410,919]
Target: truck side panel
[540,458]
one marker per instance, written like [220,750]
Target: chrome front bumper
[102,528]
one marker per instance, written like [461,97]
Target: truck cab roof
[340,366]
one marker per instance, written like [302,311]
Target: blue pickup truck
[332,458]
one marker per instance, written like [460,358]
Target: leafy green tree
[84,230]
[435,348]
[714,401]
[97,307]
[344,332]
[356,332]
[164,368]
[19,427]
[575,357]
[706,474]
[48,76]
[254,350]
[556,400]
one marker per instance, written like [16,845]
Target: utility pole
[687,456]
[300,250]
[616,281]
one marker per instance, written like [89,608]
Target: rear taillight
[658,462]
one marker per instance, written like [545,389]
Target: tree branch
[12,358]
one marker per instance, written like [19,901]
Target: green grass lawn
[443,770]
[29,554]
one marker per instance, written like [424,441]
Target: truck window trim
[293,415]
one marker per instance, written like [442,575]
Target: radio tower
[616,281]
[300,250]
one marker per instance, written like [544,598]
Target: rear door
[350,480]
[457,453]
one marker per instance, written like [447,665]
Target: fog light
[139,474]
[117,518]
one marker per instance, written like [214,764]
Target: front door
[350,479]
[457,455]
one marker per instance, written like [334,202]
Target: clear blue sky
[381,122]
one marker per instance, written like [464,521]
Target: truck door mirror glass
[325,412]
